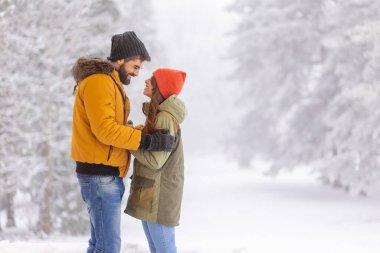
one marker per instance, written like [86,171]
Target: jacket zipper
[124,109]
[109,153]
[123,96]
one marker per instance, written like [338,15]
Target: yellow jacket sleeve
[100,105]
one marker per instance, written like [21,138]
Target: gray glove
[158,141]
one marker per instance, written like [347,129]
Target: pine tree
[350,146]
[274,48]
[313,87]
[9,134]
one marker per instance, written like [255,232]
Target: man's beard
[123,75]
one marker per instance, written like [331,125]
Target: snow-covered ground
[229,210]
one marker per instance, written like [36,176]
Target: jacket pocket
[142,190]
[104,180]
[109,153]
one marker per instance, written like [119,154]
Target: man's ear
[118,63]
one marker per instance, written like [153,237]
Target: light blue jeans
[161,238]
[103,195]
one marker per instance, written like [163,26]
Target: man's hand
[129,123]
[158,141]
[138,127]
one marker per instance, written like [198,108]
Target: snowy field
[227,210]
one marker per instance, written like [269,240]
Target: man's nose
[136,72]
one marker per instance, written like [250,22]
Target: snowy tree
[348,154]
[274,48]
[30,153]
[334,128]
[9,134]
[319,107]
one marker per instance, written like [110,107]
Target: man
[101,139]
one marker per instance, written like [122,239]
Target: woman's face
[148,91]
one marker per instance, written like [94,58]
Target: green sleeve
[156,159]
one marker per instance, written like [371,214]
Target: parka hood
[86,66]
[175,107]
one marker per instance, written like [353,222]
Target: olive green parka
[158,177]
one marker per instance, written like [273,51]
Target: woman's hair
[155,101]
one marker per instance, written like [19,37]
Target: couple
[103,140]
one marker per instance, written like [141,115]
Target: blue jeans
[161,238]
[103,195]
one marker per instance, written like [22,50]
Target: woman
[157,182]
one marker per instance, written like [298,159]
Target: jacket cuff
[145,141]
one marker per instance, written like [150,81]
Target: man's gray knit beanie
[127,45]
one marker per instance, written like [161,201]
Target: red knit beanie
[169,81]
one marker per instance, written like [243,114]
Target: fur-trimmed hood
[86,66]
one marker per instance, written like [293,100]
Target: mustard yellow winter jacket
[101,110]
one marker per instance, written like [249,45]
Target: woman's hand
[139,127]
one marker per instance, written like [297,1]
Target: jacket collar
[85,67]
